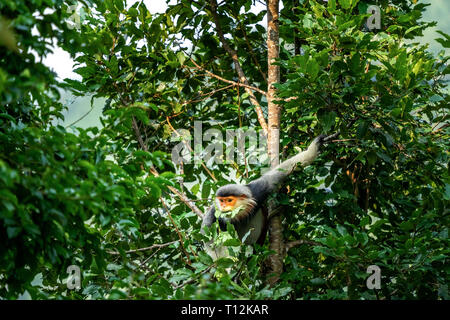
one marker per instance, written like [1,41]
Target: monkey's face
[230,203]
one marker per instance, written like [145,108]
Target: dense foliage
[108,200]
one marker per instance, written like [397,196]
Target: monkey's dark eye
[229,200]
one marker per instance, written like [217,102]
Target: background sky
[62,64]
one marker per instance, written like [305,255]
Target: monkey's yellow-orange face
[229,203]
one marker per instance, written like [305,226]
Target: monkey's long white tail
[303,158]
[306,157]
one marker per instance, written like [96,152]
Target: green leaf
[392,28]
[400,65]
[384,156]
[447,192]
[13,232]
[331,5]
[327,119]
[342,230]
[181,57]
[361,131]
[307,21]
[225,262]
[133,12]
[119,4]
[345,4]
[312,69]
[412,29]
[232,243]
[406,225]
[318,281]
[206,189]
[444,42]
[195,188]
[371,157]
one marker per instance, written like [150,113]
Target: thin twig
[177,231]
[151,256]
[157,245]
[208,94]
[258,66]
[295,243]
[81,118]
[193,279]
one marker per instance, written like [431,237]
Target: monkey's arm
[209,218]
[272,179]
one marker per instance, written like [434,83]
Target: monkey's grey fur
[253,218]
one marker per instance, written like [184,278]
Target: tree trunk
[275,227]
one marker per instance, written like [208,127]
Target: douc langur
[244,206]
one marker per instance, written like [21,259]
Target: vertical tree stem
[275,226]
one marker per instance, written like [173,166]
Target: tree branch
[238,84]
[273,143]
[247,41]
[193,279]
[177,231]
[295,243]
[237,66]
[157,245]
